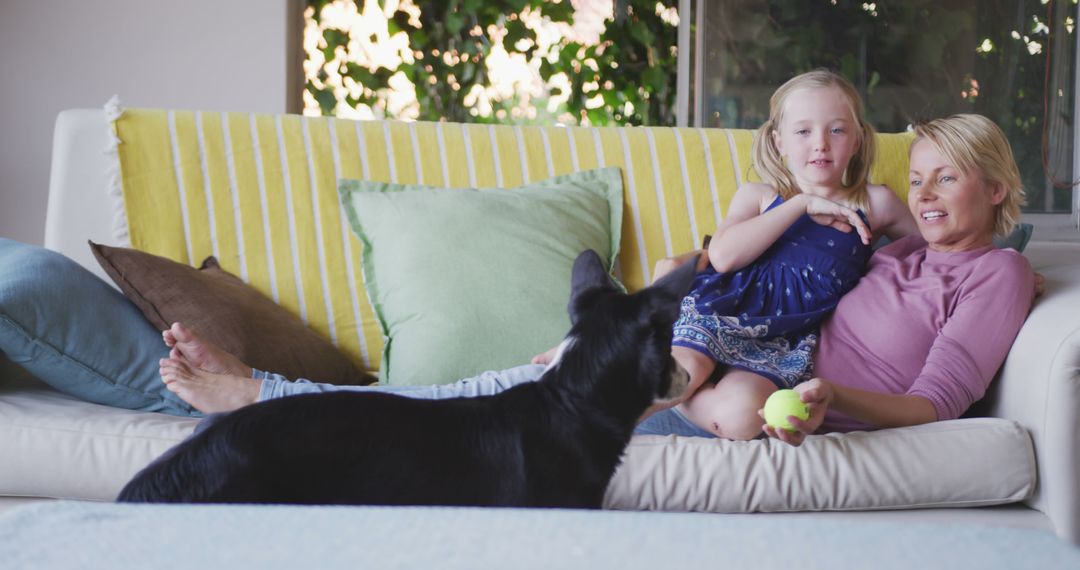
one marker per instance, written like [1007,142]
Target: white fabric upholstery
[1039,385]
[54,445]
[916,467]
[65,535]
[80,207]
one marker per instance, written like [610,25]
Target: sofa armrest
[80,207]
[1039,385]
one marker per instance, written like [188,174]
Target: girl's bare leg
[729,408]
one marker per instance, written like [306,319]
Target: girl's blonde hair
[770,164]
[975,145]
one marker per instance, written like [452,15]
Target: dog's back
[342,447]
[555,442]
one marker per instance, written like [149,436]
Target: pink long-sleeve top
[928,323]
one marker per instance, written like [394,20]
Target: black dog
[551,443]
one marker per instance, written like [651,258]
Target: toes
[181,333]
[173,366]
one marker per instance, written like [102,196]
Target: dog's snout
[680,381]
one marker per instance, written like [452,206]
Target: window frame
[689,112]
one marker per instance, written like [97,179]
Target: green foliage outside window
[626,78]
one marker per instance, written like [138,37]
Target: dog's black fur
[551,443]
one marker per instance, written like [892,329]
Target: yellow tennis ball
[784,403]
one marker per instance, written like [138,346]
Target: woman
[908,345]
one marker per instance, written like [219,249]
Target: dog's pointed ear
[588,273]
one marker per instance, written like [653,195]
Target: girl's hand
[829,213]
[817,394]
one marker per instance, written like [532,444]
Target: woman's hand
[817,394]
[829,213]
[669,264]
[1040,285]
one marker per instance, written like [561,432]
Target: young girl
[787,251]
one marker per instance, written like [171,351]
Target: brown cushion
[226,311]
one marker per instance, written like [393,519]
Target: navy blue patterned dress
[765,317]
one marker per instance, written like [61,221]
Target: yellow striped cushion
[259,192]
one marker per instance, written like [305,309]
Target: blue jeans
[667,422]
[486,384]
[670,422]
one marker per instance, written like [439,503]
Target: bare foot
[199,353]
[208,392]
[546,356]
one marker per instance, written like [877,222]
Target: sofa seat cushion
[956,463]
[53,445]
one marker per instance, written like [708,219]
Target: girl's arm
[746,232]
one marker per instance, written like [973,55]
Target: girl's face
[817,136]
[954,209]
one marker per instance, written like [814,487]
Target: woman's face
[954,209]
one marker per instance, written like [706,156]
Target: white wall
[227,55]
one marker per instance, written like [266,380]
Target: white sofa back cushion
[80,207]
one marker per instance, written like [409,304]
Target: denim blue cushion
[73,331]
[1017,240]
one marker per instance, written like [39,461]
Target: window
[1011,60]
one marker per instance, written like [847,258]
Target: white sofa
[1018,467]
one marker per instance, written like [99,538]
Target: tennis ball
[784,403]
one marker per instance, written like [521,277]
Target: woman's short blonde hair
[769,162]
[974,144]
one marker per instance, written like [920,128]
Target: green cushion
[464,281]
